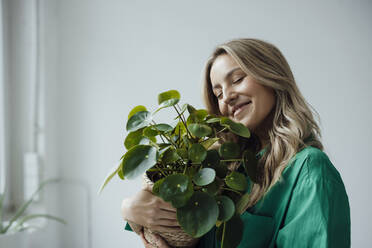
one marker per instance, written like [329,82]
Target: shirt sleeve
[127,227]
[318,214]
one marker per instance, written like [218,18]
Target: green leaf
[235,127]
[229,150]
[199,215]
[200,114]
[138,159]
[209,142]
[226,207]
[242,203]
[150,132]
[197,153]
[139,120]
[204,176]
[25,205]
[190,109]
[115,169]
[212,159]
[199,130]
[237,181]
[170,156]
[133,138]
[156,187]
[168,98]
[177,189]
[182,152]
[250,163]
[213,120]
[179,129]
[135,110]
[162,127]
[214,187]
[34,216]
[231,237]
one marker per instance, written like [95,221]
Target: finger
[168,222]
[168,229]
[148,187]
[160,243]
[165,214]
[145,242]
[144,239]
[167,206]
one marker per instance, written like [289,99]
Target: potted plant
[12,232]
[187,170]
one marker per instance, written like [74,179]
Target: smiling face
[239,96]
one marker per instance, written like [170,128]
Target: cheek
[223,108]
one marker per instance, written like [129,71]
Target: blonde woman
[300,199]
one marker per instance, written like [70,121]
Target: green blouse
[308,207]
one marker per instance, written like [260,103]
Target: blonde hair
[292,117]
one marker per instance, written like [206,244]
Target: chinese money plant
[186,171]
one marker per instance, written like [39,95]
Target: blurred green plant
[186,171]
[19,221]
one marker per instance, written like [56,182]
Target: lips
[237,107]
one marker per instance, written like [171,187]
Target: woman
[300,200]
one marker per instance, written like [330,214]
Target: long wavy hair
[292,125]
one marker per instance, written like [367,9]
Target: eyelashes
[234,82]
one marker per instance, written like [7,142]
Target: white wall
[104,57]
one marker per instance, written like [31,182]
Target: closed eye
[237,81]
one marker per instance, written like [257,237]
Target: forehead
[222,67]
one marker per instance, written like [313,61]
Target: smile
[240,109]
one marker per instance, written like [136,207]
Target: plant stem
[231,190]
[184,122]
[161,135]
[223,233]
[231,160]
[223,129]
[161,171]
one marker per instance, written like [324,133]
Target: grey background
[101,58]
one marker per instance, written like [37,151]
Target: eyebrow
[227,76]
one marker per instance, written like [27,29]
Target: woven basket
[180,239]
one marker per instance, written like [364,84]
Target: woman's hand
[150,211]
[159,242]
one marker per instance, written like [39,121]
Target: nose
[229,96]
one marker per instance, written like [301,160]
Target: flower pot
[180,239]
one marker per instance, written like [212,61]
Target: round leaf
[197,153]
[229,150]
[233,232]
[133,138]
[214,187]
[150,132]
[135,110]
[168,98]
[226,207]
[199,215]
[214,120]
[235,127]
[170,156]
[250,163]
[138,120]
[199,130]
[177,189]
[156,187]
[237,181]
[182,152]
[204,176]
[162,127]
[138,159]
[212,159]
